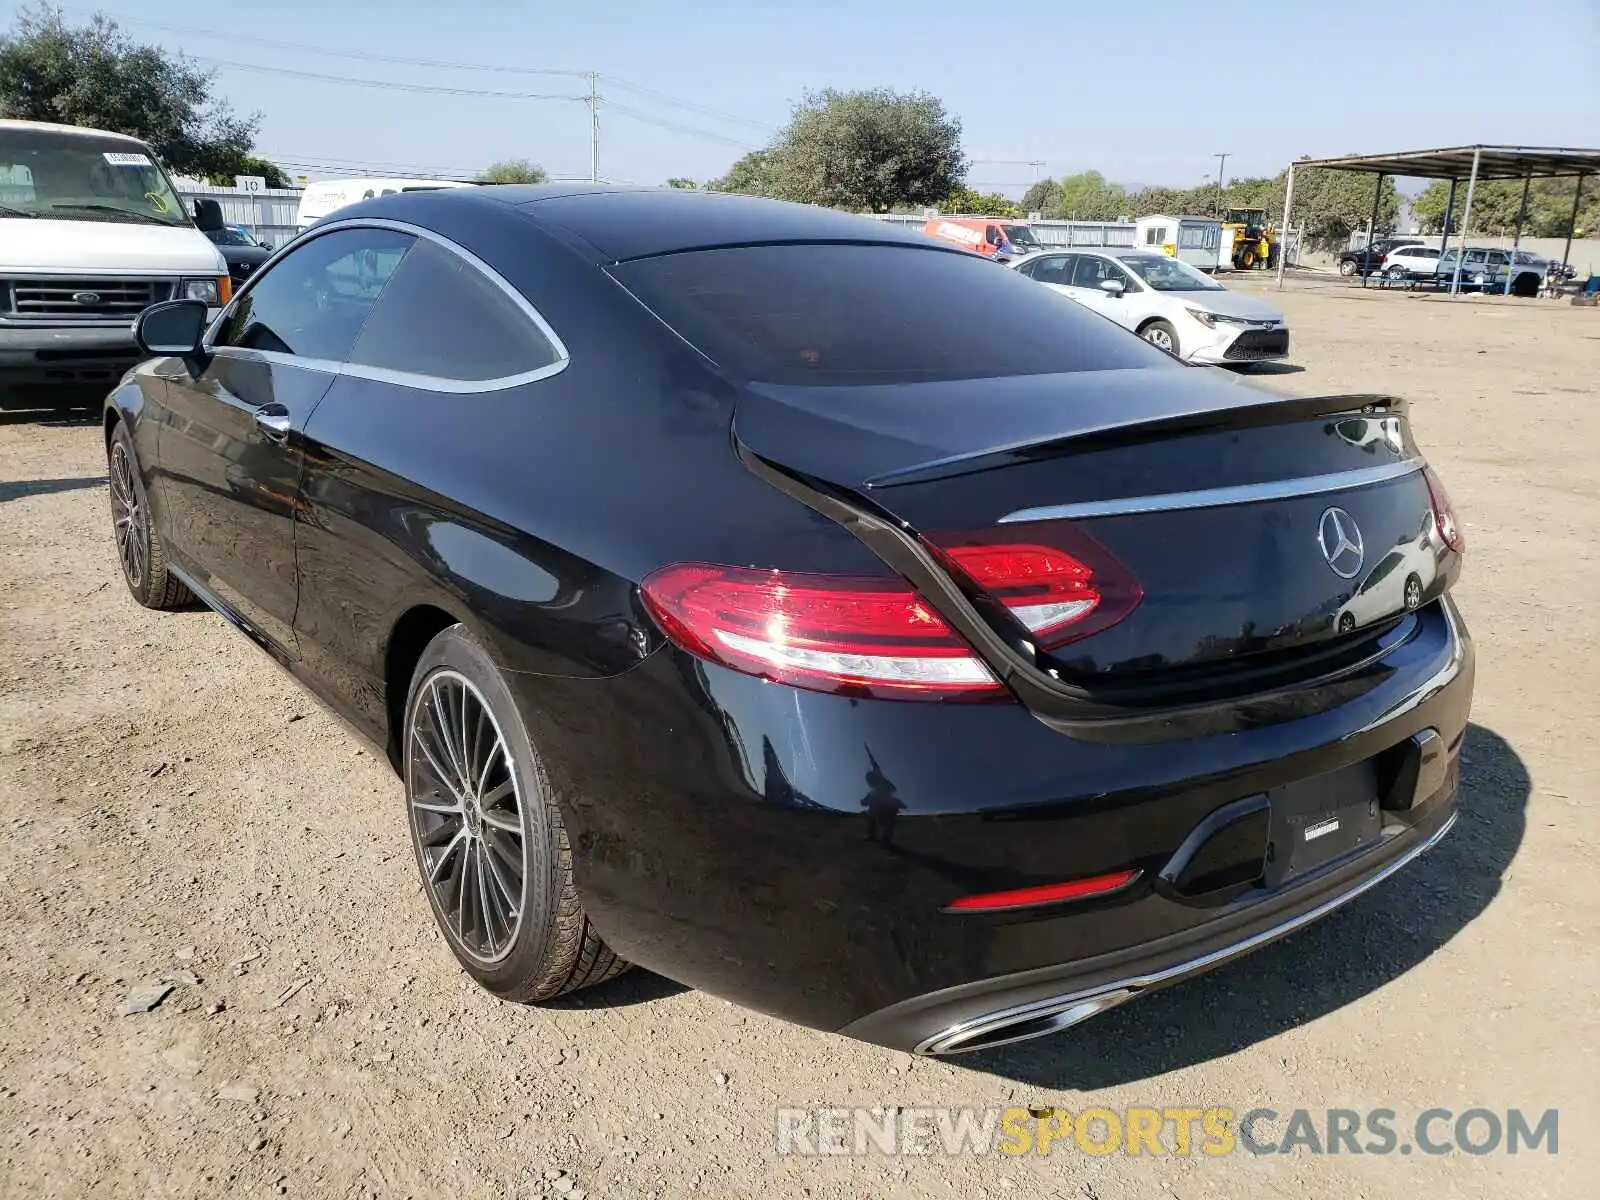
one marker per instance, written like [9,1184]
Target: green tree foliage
[95,75]
[514,170]
[682,183]
[754,174]
[1495,204]
[874,150]
[1086,196]
[251,165]
[978,204]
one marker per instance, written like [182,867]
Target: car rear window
[849,314]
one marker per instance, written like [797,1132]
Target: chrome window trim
[432,383]
[1248,493]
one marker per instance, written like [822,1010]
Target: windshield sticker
[127,160]
[158,202]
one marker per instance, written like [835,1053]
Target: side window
[441,316]
[313,302]
[1093,270]
[1055,269]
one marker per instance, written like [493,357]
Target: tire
[1245,260]
[541,945]
[140,551]
[1397,274]
[1347,267]
[1347,622]
[1161,335]
[1413,593]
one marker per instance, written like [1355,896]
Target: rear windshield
[849,314]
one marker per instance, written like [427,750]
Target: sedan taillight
[1444,515]
[872,636]
[828,633]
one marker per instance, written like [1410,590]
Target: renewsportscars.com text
[1202,1131]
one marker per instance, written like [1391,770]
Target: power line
[666,123]
[689,105]
[384,84]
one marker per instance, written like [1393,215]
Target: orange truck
[991,237]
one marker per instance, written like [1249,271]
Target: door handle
[273,420]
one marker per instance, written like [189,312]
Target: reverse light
[1050,893]
[1059,583]
[1444,515]
[853,635]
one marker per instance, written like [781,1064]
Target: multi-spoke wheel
[1162,336]
[488,833]
[140,549]
[1413,593]
[468,816]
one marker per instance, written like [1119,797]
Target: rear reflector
[1060,583]
[1050,893]
[829,633]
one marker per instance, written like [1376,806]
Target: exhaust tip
[1021,1025]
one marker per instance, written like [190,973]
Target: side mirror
[1113,287]
[208,215]
[174,327]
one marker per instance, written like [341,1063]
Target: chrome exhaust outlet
[1021,1024]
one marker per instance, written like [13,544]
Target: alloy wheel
[1413,593]
[467,813]
[129,518]
[1159,338]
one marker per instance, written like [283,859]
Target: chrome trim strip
[432,383]
[1247,493]
[950,1040]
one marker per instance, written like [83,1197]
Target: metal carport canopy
[1456,163]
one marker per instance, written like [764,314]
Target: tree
[978,204]
[95,75]
[872,150]
[514,170]
[251,165]
[682,183]
[754,175]
[1495,205]
[1043,197]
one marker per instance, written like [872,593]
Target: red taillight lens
[1444,516]
[858,636]
[1050,893]
[1057,581]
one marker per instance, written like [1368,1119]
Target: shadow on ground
[1356,950]
[48,487]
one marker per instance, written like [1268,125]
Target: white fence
[269,215]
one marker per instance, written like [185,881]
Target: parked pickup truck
[91,233]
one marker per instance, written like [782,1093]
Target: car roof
[620,223]
[82,130]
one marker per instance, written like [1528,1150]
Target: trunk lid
[1261,530]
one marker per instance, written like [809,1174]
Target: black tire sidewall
[458,651]
[145,592]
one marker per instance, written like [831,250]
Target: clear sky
[1146,92]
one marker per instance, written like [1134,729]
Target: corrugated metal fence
[269,215]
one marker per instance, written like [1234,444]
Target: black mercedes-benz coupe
[802,609]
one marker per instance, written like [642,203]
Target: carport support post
[1466,221]
[1572,225]
[1288,207]
[1372,229]
[1516,239]
[1449,207]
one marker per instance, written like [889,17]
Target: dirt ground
[170,802]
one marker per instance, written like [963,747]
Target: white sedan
[1168,303]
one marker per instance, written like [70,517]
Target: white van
[91,233]
[328,195]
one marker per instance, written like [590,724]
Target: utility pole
[593,101]
[1223,161]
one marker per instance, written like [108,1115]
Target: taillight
[829,633]
[1050,893]
[1444,516]
[1060,583]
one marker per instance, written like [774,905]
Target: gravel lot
[170,802]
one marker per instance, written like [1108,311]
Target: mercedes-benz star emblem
[1340,538]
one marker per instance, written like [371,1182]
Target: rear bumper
[1014,1008]
[793,851]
